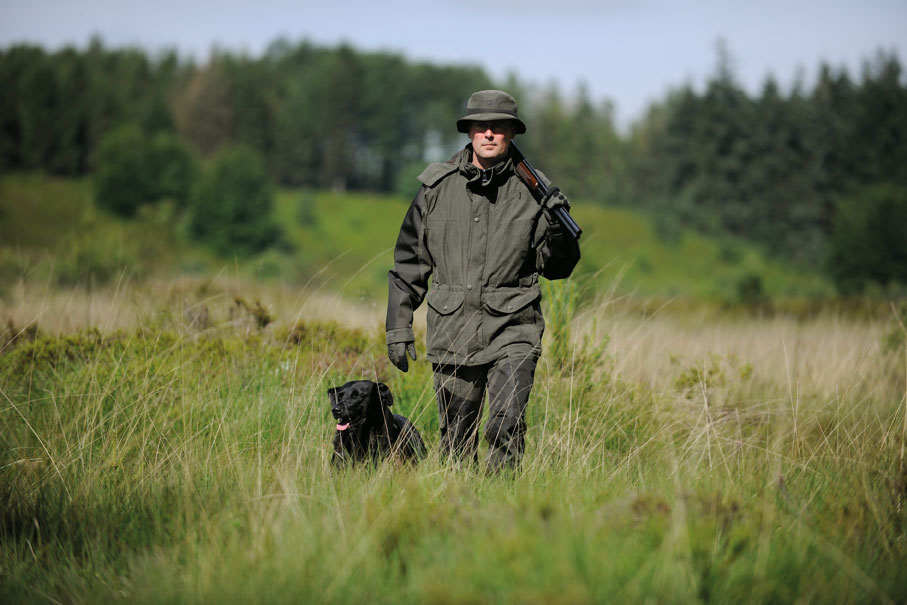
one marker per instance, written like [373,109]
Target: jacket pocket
[447,334]
[507,301]
[513,317]
[444,301]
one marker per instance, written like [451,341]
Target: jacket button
[476,219]
[469,286]
[445,307]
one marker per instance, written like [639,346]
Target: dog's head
[358,401]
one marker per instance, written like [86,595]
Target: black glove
[397,351]
[555,198]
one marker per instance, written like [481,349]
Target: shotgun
[540,191]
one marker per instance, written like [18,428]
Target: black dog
[366,428]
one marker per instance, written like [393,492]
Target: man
[476,230]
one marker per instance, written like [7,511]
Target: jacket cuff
[400,335]
[555,231]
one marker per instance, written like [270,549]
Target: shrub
[134,169]
[173,167]
[123,180]
[750,290]
[231,205]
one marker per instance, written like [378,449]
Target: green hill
[344,242]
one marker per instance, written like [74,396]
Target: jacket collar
[483,178]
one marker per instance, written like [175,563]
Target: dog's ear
[384,394]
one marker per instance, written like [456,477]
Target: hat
[487,105]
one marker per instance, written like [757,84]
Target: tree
[338,108]
[879,133]
[384,120]
[204,108]
[16,63]
[784,177]
[231,205]
[252,88]
[296,160]
[869,241]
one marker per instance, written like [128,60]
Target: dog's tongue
[343,427]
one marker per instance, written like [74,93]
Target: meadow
[181,453]
[165,438]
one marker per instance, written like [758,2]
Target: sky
[630,53]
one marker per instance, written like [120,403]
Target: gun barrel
[564,218]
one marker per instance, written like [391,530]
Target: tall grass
[150,456]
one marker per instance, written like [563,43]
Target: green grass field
[688,460]
[158,443]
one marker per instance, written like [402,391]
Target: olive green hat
[487,105]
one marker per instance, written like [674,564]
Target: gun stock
[529,178]
[541,191]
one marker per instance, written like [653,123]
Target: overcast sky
[630,52]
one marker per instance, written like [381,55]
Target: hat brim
[463,123]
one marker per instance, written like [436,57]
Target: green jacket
[483,240]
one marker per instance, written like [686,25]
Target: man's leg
[509,384]
[460,391]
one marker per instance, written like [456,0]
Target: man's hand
[397,351]
[555,198]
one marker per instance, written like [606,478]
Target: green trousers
[461,393]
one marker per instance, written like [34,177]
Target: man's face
[490,141]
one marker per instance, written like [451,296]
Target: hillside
[343,243]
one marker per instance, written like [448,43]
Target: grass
[692,458]
[164,425]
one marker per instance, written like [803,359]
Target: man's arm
[557,252]
[408,280]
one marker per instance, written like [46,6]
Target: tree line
[783,169]
[810,173]
[319,117]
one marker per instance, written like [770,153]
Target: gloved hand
[397,351]
[555,198]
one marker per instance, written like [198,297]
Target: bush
[134,169]
[750,290]
[869,241]
[231,205]
[174,168]
[123,180]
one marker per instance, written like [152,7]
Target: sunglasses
[496,126]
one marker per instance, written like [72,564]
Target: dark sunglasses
[496,126]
